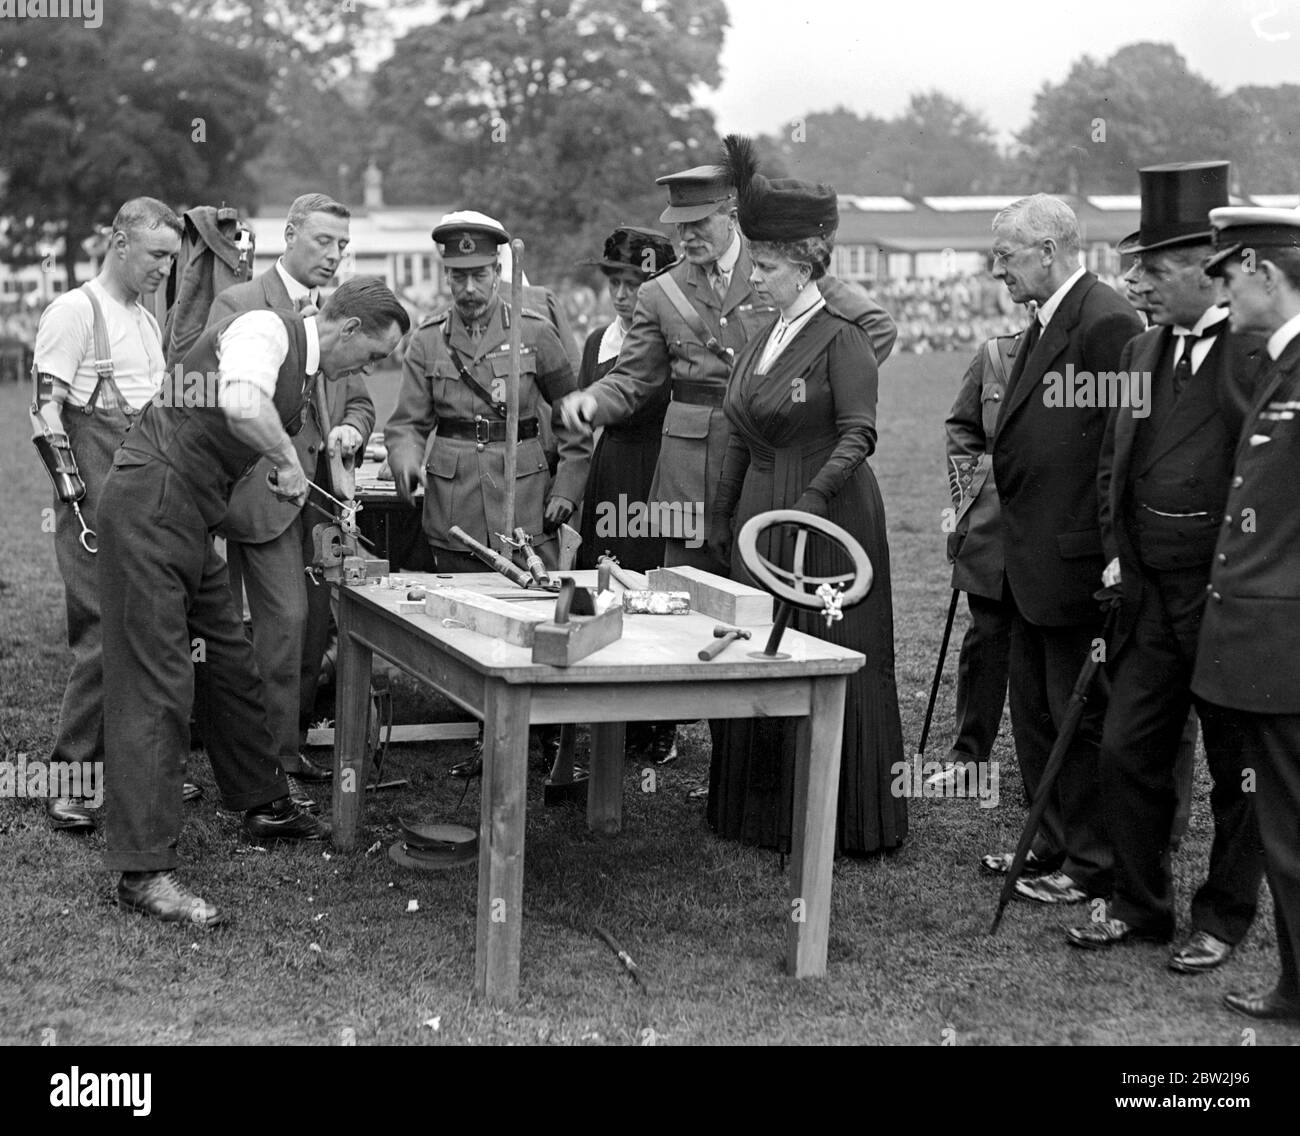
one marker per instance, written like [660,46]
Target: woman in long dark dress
[802,405]
[623,462]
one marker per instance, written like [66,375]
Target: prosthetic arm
[51,441]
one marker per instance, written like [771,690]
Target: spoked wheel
[793,586]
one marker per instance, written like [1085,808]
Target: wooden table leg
[605,789]
[812,842]
[351,736]
[501,840]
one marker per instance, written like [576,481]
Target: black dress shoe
[67,814]
[299,795]
[163,896]
[191,792]
[999,864]
[1270,1007]
[1110,933]
[471,767]
[307,770]
[1200,953]
[283,820]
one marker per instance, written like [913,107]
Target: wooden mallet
[724,636]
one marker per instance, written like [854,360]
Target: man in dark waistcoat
[1250,633]
[165,595]
[1163,481]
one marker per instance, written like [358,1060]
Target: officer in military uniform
[1250,633]
[690,323]
[454,382]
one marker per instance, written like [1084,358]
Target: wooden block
[736,605]
[422,732]
[500,619]
[562,644]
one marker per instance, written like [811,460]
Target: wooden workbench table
[651,673]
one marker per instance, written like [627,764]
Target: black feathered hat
[777,209]
[642,250]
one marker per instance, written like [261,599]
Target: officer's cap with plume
[777,209]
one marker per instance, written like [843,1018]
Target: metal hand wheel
[828,594]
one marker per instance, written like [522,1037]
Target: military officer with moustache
[690,323]
[1163,479]
[1250,633]
[447,433]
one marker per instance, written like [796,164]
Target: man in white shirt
[95,415]
[1250,632]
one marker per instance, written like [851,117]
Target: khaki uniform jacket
[256,515]
[465,481]
[660,347]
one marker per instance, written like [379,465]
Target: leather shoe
[1054,888]
[999,864]
[1201,952]
[67,814]
[163,896]
[307,770]
[470,768]
[1271,1007]
[1109,933]
[283,820]
[299,795]
[191,792]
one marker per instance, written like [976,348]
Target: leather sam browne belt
[698,394]
[484,430]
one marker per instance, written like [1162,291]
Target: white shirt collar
[1048,310]
[1209,318]
[296,291]
[1278,341]
[727,261]
[611,342]
[312,364]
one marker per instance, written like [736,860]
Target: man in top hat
[690,323]
[1250,633]
[454,380]
[1163,481]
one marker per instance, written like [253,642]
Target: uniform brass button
[1210,588]
[1216,597]
[1227,518]
[1223,558]
[480,447]
[722,322]
[1238,482]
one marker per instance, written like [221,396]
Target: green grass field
[322,949]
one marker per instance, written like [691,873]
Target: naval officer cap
[694,194]
[468,240]
[1239,228]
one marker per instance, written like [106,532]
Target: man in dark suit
[1250,632]
[708,288]
[1045,459]
[268,540]
[1163,481]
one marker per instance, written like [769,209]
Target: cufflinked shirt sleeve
[555,379]
[65,336]
[851,364]
[251,351]
[643,362]
[413,419]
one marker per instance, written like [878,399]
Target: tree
[1094,131]
[1269,157]
[148,103]
[555,116]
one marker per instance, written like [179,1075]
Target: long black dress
[810,423]
[622,467]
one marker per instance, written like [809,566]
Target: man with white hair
[1045,460]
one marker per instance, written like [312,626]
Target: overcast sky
[783,58]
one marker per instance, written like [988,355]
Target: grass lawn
[324,948]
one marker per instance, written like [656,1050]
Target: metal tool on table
[336,551]
[570,541]
[493,560]
[616,570]
[524,543]
[725,636]
[576,631]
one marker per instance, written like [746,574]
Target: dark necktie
[1183,368]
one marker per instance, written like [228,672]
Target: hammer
[724,635]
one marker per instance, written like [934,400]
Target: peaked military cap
[1241,227]
[695,193]
[468,240]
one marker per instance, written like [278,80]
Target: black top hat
[1176,203]
[641,250]
[1249,227]
[695,193]
[777,209]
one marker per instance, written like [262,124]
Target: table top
[653,648]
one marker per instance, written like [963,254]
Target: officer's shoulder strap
[533,313]
[431,321]
[997,351]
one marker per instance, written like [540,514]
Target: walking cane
[1069,726]
[512,390]
[938,672]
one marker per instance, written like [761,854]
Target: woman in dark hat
[614,514]
[802,407]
